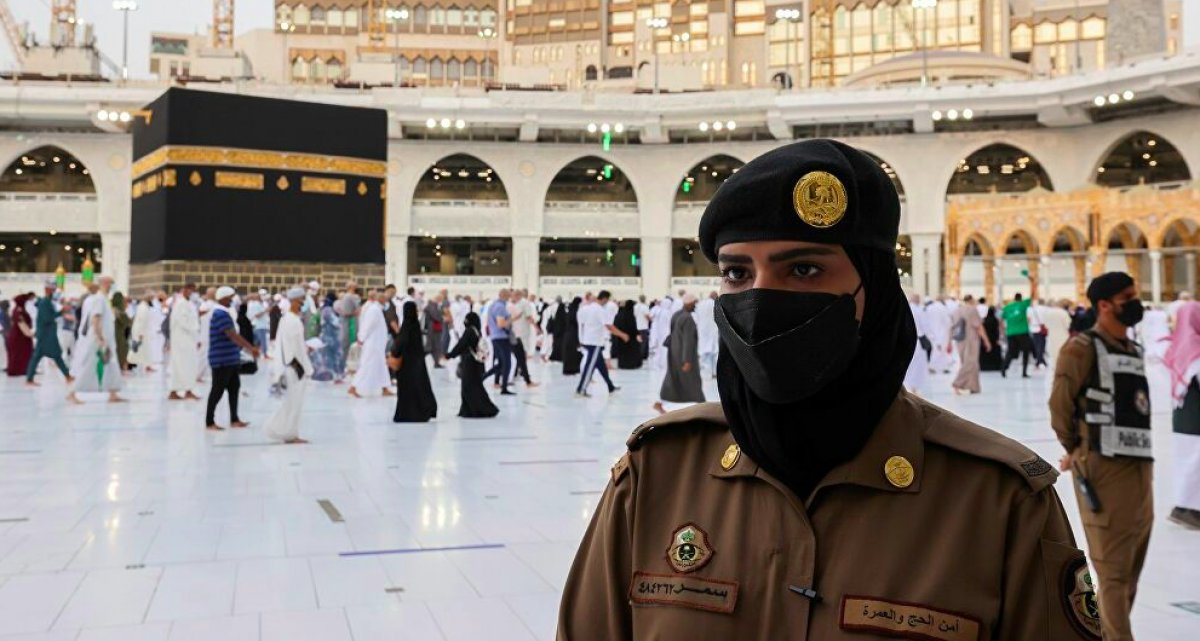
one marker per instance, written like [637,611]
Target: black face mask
[788,345]
[1131,312]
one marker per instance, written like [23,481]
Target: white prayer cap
[262,292]
[225,291]
[312,284]
[296,293]
[278,297]
[689,298]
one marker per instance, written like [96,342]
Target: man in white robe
[284,425]
[94,363]
[184,364]
[937,327]
[207,305]
[139,334]
[372,371]
[918,368]
[708,342]
[1057,319]
[158,341]
[660,329]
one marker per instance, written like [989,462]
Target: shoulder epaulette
[961,435]
[699,414]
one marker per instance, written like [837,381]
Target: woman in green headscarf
[123,325]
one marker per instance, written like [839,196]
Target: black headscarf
[798,443]
[625,319]
[409,341]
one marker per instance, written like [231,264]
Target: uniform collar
[899,433]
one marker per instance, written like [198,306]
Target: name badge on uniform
[898,619]
[687,591]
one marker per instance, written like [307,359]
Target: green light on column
[687,187]
[607,140]
[608,172]
[633,260]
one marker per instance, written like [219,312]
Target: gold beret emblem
[819,199]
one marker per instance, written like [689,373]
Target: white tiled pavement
[129,522]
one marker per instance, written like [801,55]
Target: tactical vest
[1117,402]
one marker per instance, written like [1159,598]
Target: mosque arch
[460,177]
[1180,232]
[977,245]
[1020,242]
[701,182]
[890,171]
[591,179]
[1067,239]
[1125,236]
[1141,157]
[47,169]
[998,168]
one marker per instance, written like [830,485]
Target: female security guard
[818,501]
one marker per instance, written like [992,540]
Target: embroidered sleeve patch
[1079,598]
[689,592]
[893,618]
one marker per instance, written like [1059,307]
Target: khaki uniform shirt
[965,540]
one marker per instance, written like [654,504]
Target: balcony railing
[496,204]
[37,196]
[590,205]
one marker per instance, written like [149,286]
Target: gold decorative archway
[1040,215]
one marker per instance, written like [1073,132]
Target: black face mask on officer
[788,345]
[1130,312]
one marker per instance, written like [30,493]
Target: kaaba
[227,177]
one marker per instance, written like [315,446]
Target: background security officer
[1100,410]
[818,501]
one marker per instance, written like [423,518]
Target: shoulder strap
[699,414]
[964,436]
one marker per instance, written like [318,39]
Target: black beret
[819,190]
[1105,286]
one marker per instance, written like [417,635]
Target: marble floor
[130,522]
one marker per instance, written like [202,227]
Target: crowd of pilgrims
[378,341]
[970,336]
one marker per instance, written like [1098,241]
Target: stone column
[396,268]
[525,256]
[1169,292]
[927,262]
[1081,264]
[989,279]
[1190,269]
[114,246]
[656,266]
[998,280]
[1044,277]
[1156,276]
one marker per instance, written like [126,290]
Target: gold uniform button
[730,457]
[899,471]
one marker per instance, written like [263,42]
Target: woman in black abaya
[991,361]
[475,400]
[628,353]
[556,326]
[571,357]
[415,402]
